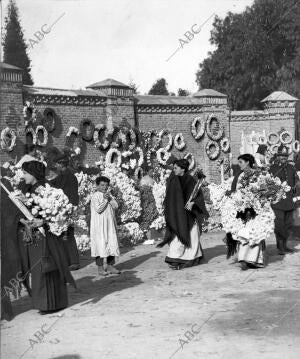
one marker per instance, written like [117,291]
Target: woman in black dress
[43,256]
[183,218]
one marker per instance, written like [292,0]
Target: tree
[134,86]
[14,47]
[257,52]
[159,88]
[182,92]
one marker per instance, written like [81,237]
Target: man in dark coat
[67,181]
[284,209]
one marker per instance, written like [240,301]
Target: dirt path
[210,311]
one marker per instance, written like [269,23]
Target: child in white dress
[104,239]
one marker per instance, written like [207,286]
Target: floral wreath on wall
[49,115]
[225,144]
[45,136]
[191,161]
[163,133]
[198,127]
[162,156]
[29,113]
[210,134]
[109,157]
[31,131]
[87,129]
[179,142]
[8,139]
[285,137]
[105,145]
[296,146]
[212,155]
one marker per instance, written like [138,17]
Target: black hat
[183,163]
[36,169]
[283,151]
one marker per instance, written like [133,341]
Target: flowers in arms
[53,206]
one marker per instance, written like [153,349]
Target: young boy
[104,240]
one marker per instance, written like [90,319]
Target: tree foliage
[257,52]
[159,88]
[183,92]
[14,47]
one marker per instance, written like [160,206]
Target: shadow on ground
[268,313]
[86,259]
[92,291]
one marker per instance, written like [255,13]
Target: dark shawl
[67,181]
[10,254]
[180,221]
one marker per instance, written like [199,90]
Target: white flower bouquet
[247,213]
[125,192]
[83,242]
[53,206]
[158,223]
[159,189]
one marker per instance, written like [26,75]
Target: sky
[138,40]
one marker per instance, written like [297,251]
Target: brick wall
[11,107]
[237,127]
[174,114]
[177,122]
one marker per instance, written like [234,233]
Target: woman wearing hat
[183,219]
[43,256]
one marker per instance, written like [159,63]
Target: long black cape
[180,221]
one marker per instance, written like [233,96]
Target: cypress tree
[14,46]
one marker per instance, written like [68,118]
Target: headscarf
[36,169]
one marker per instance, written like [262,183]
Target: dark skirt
[48,290]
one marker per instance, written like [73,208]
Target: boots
[280,247]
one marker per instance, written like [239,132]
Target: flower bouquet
[247,213]
[130,233]
[52,205]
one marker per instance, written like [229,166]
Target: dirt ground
[213,310]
